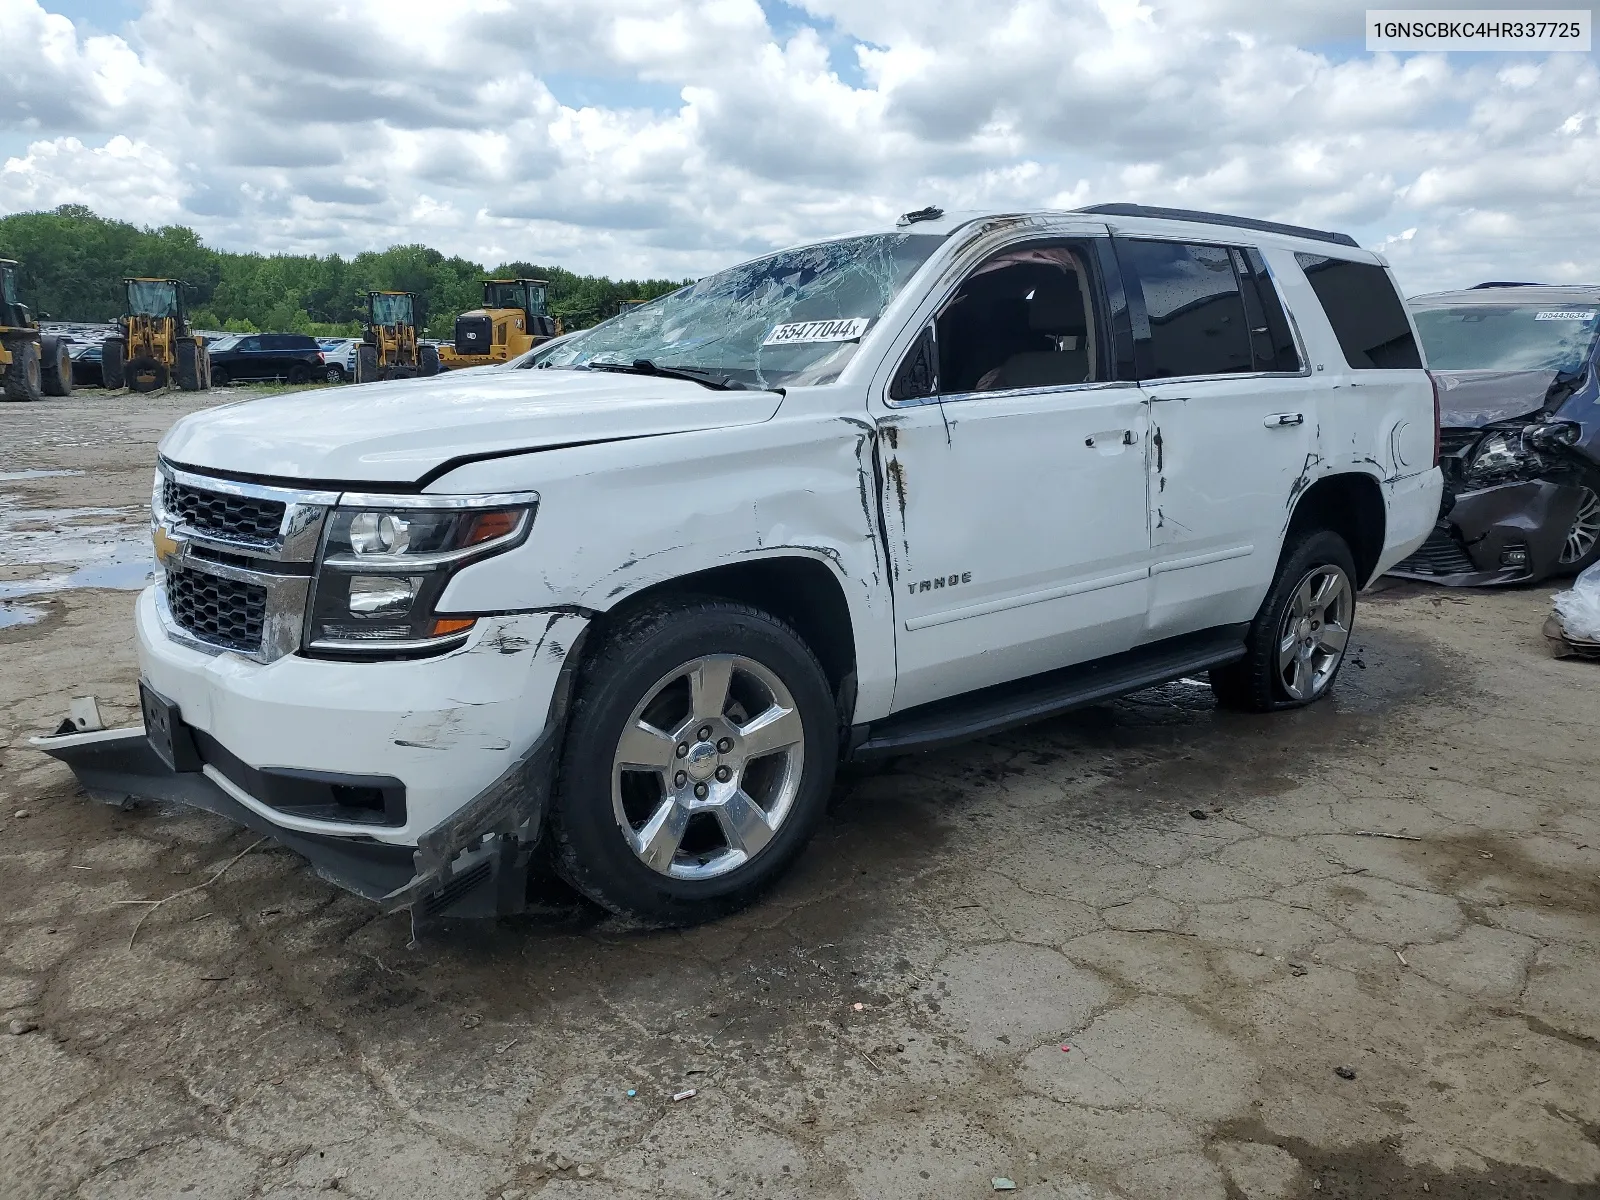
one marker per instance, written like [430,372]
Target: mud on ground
[1120,954]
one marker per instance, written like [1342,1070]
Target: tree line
[73,263]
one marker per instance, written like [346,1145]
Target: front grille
[239,518]
[220,611]
[1441,554]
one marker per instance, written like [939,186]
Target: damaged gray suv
[1518,369]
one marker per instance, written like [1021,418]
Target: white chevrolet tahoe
[638,595]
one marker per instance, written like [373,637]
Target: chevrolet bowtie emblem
[167,547]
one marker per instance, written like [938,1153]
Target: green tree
[74,262]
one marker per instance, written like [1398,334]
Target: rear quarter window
[1367,314]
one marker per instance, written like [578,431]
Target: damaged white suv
[638,594]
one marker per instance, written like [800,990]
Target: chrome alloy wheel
[708,767]
[1315,630]
[1585,529]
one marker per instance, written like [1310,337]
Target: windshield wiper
[643,366]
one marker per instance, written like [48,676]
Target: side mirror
[918,375]
[42,315]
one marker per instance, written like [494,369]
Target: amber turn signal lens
[444,626]
[490,525]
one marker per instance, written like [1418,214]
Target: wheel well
[802,592]
[1351,505]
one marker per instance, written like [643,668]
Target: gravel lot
[1028,958]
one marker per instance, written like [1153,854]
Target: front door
[1015,496]
[1233,428]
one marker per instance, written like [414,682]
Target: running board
[1007,705]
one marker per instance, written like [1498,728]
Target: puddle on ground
[13,615]
[72,549]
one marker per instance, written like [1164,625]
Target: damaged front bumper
[472,865]
[1508,533]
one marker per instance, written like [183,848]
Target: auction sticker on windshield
[1576,314]
[843,329]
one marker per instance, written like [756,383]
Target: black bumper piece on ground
[1509,533]
[473,865]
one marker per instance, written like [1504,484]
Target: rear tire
[114,364]
[429,358]
[299,373]
[333,374]
[366,364]
[649,668]
[57,363]
[1279,670]
[188,366]
[24,378]
[146,374]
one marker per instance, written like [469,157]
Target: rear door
[1233,426]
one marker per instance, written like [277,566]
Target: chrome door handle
[1284,420]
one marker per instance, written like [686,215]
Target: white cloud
[349,124]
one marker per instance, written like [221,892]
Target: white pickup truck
[638,594]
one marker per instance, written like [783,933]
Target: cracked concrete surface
[1064,978]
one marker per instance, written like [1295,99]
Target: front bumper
[1509,533]
[468,739]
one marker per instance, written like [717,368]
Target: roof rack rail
[1189,214]
[1502,283]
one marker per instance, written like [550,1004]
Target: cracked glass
[820,299]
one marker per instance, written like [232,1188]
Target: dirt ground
[1150,950]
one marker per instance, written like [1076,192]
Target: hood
[401,430]
[1473,399]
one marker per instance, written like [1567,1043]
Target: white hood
[400,431]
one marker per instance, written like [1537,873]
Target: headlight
[386,560]
[1500,454]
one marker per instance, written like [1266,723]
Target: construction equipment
[389,349]
[153,345]
[512,321]
[33,365]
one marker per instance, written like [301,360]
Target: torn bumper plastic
[1509,533]
[472,865]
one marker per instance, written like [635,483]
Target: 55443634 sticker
[1559,314]
[840,329]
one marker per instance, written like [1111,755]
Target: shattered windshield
[1524,337]
[154,298]
[795,317]
[391,310]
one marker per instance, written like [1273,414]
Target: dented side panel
[617,519]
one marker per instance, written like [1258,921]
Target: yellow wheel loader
[389,349]
[512,321]
[153,346]
[33,365]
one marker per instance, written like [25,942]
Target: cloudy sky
[671,137]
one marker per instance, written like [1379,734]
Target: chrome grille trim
[280,566]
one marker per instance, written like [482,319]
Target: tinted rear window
[1367,315]
[1196,312]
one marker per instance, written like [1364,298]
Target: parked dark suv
[292,356]
[1517,368]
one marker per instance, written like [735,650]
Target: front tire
[24,378]
[333,374]
[114,364]
[697,764]
[1297,642]
[1582,547]
[428,358]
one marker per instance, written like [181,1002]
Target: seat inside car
[1019,322]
